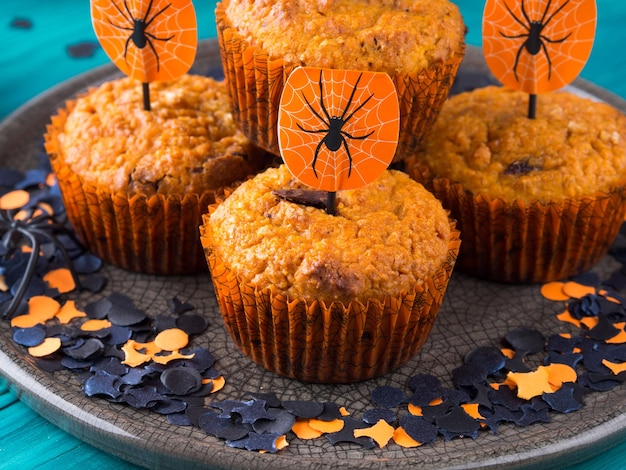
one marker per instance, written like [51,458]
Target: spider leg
[361,137]
[554,41]
[155,53]
[317,152]
[127,18]
[315,112]
[148,12]
[517,56]
[156,38]
[322,105]
[553,14]
[545,51]
[126,47]
[506,5]
[154,17]
[514,36]
[311,131]
[346,146]
[356,84]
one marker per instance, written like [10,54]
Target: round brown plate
[474,313]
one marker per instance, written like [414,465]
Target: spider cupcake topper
[147,39]
[538,46]
[338,129]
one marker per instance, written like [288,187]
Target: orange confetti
[171,339]
[14,199]
[620,337]
[338,129]
[47,347]
[472,410]
[343,411]
[68,312]
[303,430]
[401,438]
[567,317]
[554,291]
[132,357]
[615,367]
[95,325]
[281,442]
[60,279]
[531,384]
[381,432]
[558,374]
[415,410]
[218,384]
[576,290]
[41,308]
[508,352]
[589,322]
[326,426]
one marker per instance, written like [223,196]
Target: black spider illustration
[33,228]
[335,135]
[535,40]
[139,35]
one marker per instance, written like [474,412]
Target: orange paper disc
[147,39]
[338,129]
[538,46]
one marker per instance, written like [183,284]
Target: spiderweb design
[336,343]
[366,102]
[170,36]
[565,42]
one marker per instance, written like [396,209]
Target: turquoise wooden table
[44,43]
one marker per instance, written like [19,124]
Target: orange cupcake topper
[147,39]
[338,129]
[538,46]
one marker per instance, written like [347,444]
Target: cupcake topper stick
[337,129]
[147,39]
[538,46]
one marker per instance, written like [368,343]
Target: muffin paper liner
[255,82]
[517,242]
[337,343]
[153,235]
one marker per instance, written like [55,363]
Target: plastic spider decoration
[34,227]
[534,38]
[335,135]
[139,36]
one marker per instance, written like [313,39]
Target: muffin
[135,183]
[535,199]
[419,43]
[324,298]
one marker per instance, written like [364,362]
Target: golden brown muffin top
[187,142]
[387,237]
[402,36]
[484,140]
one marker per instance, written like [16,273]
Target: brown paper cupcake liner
[517,242]
[154,235]
[255,83]
[337,343]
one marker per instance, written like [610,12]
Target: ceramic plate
[474,313]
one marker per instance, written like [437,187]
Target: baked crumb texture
[420,44]
[135,183]
[536,200]
[326,298]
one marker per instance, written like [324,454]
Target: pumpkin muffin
[419,43]
[535,199]
[135,183]
[330,298]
